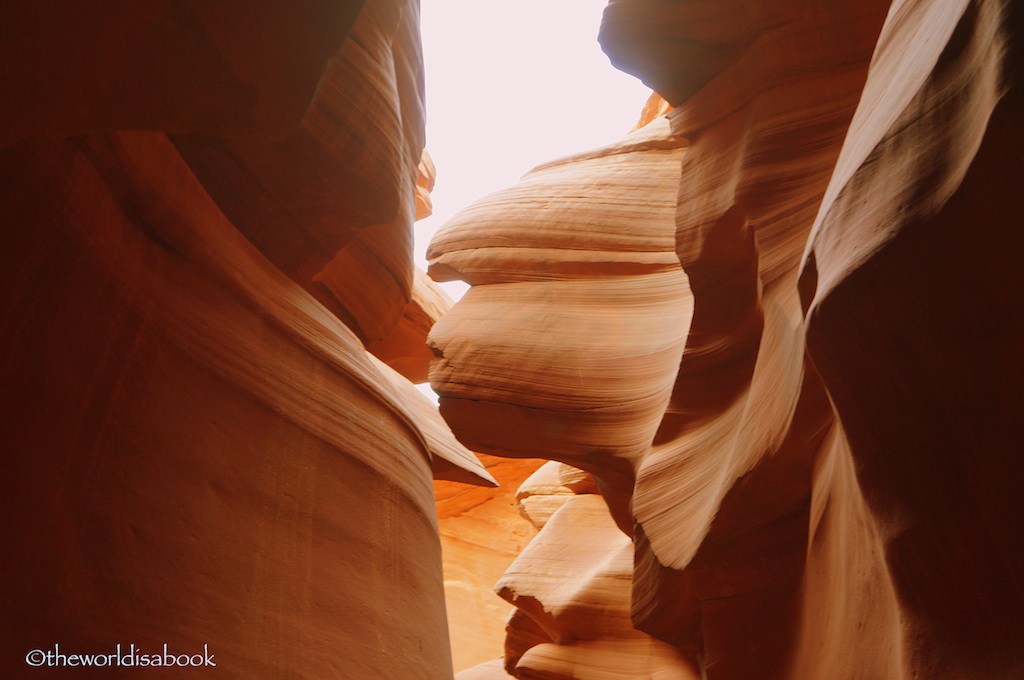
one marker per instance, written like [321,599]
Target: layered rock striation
[572,597]
[206,220]
[770,337]
[807,428]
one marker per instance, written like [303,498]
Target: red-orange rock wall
[197,448]
[775,331]
[830,488]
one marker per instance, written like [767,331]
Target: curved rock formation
[573,605]
[329,209]
[540,358]
[928,389]
[776,326]
[827,486]
[196,451]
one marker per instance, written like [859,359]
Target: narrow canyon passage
[730,395]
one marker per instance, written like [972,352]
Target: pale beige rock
[426,177]
[489,670]
[575,589]
[560,303]
[607,660]
[577,480]
[543,493]
[571,587]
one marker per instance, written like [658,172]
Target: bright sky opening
[510,86]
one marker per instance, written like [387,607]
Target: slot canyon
[737,395]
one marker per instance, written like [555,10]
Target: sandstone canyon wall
[770,340]
[206,218]
[779,328]
[482,532]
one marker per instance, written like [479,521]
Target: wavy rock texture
[573,600]
[928,390]
[827,486]
[197,451]
[488,670]
[722,497]
[331,211]
[560,302]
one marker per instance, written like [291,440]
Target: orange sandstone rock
[918,233]
[488,670]
[481,534]
[405,348]
[332,210]
[571,587]
[195,450]
[239,68]
[541,358]
[829,488]
[187,433]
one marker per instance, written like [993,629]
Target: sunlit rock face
[816,458]
[198,450]
[542,357]
[572,616]
[482,532]
[572,597]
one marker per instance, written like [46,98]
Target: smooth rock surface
[560,302]
[482,532]
[196,450]
[247,69]
[571,589]
[828,486]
